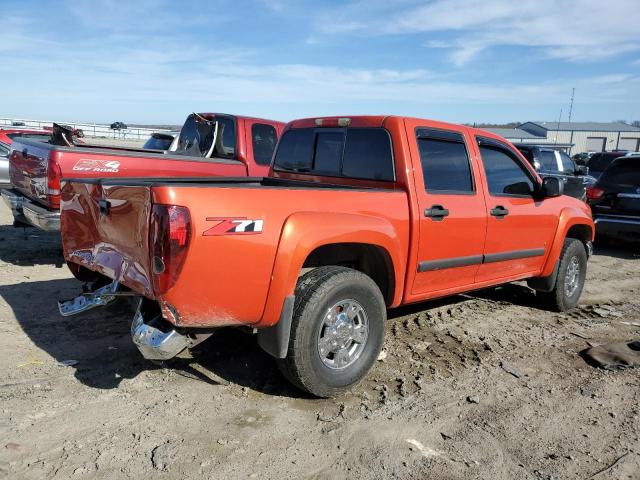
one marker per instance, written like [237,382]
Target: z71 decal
[233,226]
[100,166]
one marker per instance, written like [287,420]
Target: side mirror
[551,187]
[582,170]
[518,188]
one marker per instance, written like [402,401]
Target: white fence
[89,129]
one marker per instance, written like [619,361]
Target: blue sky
[455,60]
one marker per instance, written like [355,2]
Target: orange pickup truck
[357,215]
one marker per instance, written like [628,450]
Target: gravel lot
[479,386]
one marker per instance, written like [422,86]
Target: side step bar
[87,301]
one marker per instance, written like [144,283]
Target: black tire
[316,292]
[558,299]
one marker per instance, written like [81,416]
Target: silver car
[4,163]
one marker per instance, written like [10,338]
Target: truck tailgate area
[106,229]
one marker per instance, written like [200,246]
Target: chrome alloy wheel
[343,334]
[572,277]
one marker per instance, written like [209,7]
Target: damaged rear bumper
[156,338]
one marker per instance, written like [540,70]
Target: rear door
[452,210]
[519,230]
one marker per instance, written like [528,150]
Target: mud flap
[275,339]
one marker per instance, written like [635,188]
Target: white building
[586,136]
[575,137]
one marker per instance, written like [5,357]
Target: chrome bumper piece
[41,218]
[27,212]
[155,343]
[87,301]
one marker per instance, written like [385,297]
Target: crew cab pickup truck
[210,144]
[358,215]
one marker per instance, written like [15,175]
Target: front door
[520,229]
[452,211]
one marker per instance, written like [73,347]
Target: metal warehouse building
[576,137]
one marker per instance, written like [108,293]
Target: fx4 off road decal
[233,226]
[100,166]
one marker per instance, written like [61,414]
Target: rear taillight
[169,237]
[594,193]
[54,176]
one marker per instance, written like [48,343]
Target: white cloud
[566,29]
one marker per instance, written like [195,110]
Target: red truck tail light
[54,176]
[594,193]
[170,235]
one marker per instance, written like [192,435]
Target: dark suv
[549,162]
[601,160]
[615,199]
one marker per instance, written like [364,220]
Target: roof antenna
[573,93]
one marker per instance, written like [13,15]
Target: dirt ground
[480,386]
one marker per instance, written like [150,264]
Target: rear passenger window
[263,138]
[361,153]
[567,163]
[548,161]
[445,165]
[505,175]
[367,154]
[295,150]
[328,153]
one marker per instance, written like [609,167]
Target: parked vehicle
[118,126]
[160,141]
[615,199]
[582,158]
[359,214]
[601,160]
[6,139]
[550,162]
[210,144]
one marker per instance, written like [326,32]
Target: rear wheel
[572,271]
[337,330]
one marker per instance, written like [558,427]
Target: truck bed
[31,162]
[236,227]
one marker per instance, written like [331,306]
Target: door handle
[499,212]
[436,212]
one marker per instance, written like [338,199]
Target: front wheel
[337,330]
[572,271]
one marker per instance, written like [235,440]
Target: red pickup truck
[358,215]
[210,144]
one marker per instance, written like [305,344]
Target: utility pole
[573,92]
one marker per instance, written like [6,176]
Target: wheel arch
[312,239]
[573,223]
